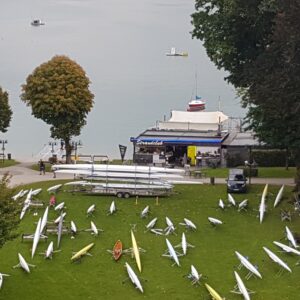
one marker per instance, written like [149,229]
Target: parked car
[236,181]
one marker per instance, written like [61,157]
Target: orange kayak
[117,250]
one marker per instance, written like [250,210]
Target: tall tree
[274,95]
[234,33]
[9,212]
[58,93]
[257,42]
[5,111]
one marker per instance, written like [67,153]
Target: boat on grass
[117,250]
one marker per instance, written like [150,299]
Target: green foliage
[270,158]
[263,172]
[58,93]
[9,212]
[5,111]
[234,33]
[258,43]
[273,98]
[234,159]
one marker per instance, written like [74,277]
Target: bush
[234,160]
[52,160]
[270,158]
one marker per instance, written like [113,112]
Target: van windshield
[236,177]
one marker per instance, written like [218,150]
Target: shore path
[22,174]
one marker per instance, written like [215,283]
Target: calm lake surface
[121,44]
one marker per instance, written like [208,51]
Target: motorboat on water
[37,22]
[174,53]
[196,104]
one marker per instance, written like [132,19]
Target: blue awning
[177,141]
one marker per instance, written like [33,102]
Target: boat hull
[117,250]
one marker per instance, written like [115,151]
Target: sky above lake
[121,44]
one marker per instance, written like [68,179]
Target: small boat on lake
[37,22]
[174,53]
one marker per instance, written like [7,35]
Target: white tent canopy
[211,117]
[186,120]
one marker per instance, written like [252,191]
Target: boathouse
[186,138]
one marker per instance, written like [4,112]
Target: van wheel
[119,195]
[126,195]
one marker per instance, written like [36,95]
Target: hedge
[271,158]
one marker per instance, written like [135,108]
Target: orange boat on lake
[117,250]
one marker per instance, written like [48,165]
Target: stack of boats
[121,176]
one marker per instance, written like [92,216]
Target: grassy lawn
[8,163]
[99,277]
[35,167]
[263,172]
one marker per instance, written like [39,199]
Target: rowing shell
[82,252]
[213,293]
[117,250]
[136,252]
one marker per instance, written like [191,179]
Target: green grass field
[35,167]
[8,163]
[99,277]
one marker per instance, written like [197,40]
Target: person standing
[42,167]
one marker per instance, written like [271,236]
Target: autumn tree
[9,212]
[58,93]
[5,111]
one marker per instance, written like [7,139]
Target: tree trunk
[297,164]
[68,148]
[287,159]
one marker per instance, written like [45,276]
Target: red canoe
[117,250]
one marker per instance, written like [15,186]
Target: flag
[122,151]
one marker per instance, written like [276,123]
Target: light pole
[75,145]
[52,144]
[3,142]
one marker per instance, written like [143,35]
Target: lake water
[121,44]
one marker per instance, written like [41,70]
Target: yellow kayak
[136,252]
[82,252]
[213,293]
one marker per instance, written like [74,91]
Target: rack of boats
[120,180]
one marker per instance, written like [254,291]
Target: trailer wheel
[119,195]
[126,195]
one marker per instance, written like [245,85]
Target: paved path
[22,174]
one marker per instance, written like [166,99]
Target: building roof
[241,139]
[178,137]
[203,117]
